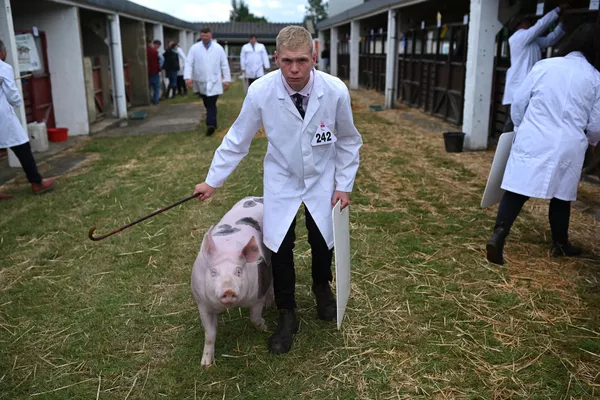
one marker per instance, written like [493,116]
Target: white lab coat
[526,47]
[559,100]
[12,132]
[255,60]
[182,59]
[295,172]
[207,68]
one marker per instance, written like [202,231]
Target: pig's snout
[228,297]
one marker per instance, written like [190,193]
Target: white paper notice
[341,243]
[594,4]
[540,9]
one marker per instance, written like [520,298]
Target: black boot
[282,339]
[210,130]
[495,246]
[326,305]
[565,248]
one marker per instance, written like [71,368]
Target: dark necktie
[298,103]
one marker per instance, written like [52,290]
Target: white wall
[65,63]
[339,6]
[190,41]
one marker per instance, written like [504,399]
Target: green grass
[427,317]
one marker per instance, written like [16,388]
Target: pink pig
[233,269]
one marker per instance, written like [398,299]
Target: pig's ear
[208,244]
[251,251]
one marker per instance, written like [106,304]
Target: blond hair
[294,37]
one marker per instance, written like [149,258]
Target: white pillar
[333,51]
[183,40]
[160,35]
[390,60]
[321,47]
[483,28]
[190,41]
[118,75]
[226,48]
[354,53]
[7,33]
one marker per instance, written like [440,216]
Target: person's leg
[180,85]
[173,83]
[155,82]
[559,215]
[25,156]
[284,285]
[508,123]
[211,114]
[321,270]
[508,211]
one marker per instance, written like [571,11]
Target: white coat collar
[313,101]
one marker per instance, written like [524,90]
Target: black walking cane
[91,233]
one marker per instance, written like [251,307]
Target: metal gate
[98,91]
[372,54]
[37,90]
[432,68]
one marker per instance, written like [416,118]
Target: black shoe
[282,339]
[210,130]
[495,246]
[565,249]
[326,305]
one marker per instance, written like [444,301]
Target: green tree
[241,13]
[316,11]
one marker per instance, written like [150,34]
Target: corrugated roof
[243,29]
[368,7]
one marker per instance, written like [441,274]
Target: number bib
[323,136]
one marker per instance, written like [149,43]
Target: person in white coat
[12,133]
[526,45]
[557,114]
[207,72]
[254,60]
[312,159]
[181,86]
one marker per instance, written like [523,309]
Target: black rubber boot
[495,246]
[565,249]
[210,130]
[326,305]
[282,339]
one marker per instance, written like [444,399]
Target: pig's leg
[209,322]
[256,316]
[270,297]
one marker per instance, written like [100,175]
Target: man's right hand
[189,83]
[205,190]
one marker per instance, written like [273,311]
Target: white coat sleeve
[236,143]
[9,87]
[347,145]
[266,62]
[243,58]
[521,99]
[593,126]
[225,67]
[189,65]
[541,26]
[552,38]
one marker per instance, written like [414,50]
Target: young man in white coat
[207,72]
[312,158]
[12,134]
[526,46]
[254,59]
[557,114]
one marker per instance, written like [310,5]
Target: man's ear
[276,56]
[251,251]
[208,244]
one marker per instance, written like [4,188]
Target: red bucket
[58,134]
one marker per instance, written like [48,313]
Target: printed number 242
[323,137]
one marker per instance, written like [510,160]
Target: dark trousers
[23,153]
[509,126]
[559,215]
[154,82]
[284,274]
[210,102]
[181,85]
[251,81]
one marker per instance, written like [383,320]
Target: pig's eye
[213,272]
[238,272]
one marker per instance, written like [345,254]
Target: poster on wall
[29,59]
[540,9]
[594,4]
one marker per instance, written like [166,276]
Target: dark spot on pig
[259,200]
[250,222]
[249,203]
[224,230]
[264,278]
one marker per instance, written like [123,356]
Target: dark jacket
[171,61]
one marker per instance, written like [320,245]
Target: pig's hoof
[207,360]
[261,326]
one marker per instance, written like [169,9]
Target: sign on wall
[29,59]
[594,4]
[540,9]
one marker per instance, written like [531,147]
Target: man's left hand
[226,86]
[340,196]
